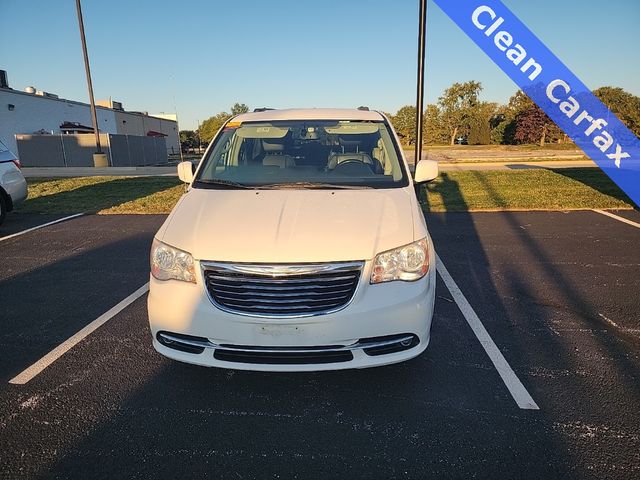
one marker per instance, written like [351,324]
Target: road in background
[37,172]
[467,153]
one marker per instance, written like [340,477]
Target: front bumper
[394,311]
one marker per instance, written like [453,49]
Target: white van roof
[309,114]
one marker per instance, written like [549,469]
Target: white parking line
[620,219]
[40,226]
[68,344]
[512,382]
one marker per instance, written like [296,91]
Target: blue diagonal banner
[552,86]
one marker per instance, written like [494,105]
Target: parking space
[21,223]
[630,217]
[57,279]
[555,291]
[633,215]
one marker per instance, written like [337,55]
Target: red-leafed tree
[534,126]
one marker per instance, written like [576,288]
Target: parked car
[13,186]
[299,245]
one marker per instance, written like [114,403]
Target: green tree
[239,108]
[503,123]
[457,106]
[188,139]
[211,125]
[434,132]
[519,102]
[404,123]
[480,123]
[498,124]
[624,105]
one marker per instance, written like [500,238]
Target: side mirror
[426,170]
[185,172]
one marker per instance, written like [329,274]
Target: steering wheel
[351,160]
[354,162]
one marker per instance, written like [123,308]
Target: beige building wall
[129,123]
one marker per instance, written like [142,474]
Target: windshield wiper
[312,185]
[226,183]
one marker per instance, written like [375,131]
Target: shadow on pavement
[374,423]
[17,222]
[526,300]
[54,283]
[548,306]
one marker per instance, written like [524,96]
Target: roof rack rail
[363,108]
[262,109]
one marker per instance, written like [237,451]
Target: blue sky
[343,53]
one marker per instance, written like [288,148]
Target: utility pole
[420,83]
[175,111]
[179,141]
[99,158]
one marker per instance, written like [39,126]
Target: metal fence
[77,150]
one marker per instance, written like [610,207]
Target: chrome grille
[282,290]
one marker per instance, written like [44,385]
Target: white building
[34,111]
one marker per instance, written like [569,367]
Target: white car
[299,245]
[13,186]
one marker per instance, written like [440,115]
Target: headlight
[170,263]
[407,263]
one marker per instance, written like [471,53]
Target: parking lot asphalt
[633,215]
[20,222]
[57,279]
[556,291]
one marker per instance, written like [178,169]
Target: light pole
[420,83]
[99,158]
[199,141]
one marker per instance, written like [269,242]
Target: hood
[290,226]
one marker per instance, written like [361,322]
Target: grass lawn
[536,189]
[102,195]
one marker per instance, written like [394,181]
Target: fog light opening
[394,344]
[182,343]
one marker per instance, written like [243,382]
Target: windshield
[303,153]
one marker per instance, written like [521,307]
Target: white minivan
[298,245]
